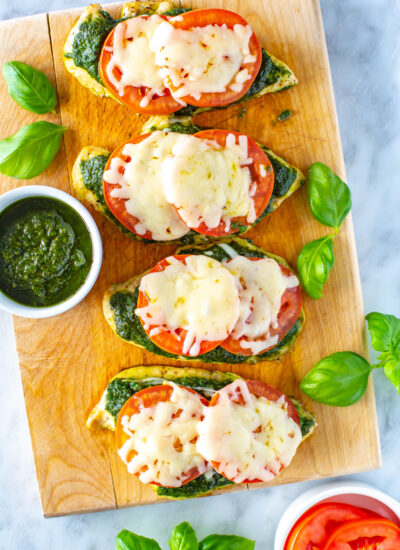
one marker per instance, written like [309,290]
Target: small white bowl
[97,250]
[355,493]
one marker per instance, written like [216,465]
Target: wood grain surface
[66,361]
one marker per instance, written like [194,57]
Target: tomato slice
[172,342]
[117,205]
[258,389]
[132,95]
[365,534]
[290,310]
[202,18]
[313,528]
[262,174]
[149,398]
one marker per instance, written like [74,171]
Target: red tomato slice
[117,205]
[132,96]
[147,398]
[313,528]
[202,18]
[264,183]
[168,341]
[287,316]
[258,389]
[365,534]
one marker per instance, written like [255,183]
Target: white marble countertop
[364,44]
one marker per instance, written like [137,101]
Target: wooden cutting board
[67,360]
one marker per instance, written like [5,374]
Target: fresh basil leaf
[314,263]
[392,371]
[126,540]
[226,542]
[329,196]
[385,332]
[183,537]
[338,380]
[30,88]
[29,152]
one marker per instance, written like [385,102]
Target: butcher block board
[67,360]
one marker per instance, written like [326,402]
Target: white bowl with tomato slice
[335,516]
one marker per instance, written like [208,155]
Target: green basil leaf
[329,196]
[29,152]
[30,88]
[183,537]
[339,379]
[226,542]
[392,371]
[126,540]
[314,263]
[384,331]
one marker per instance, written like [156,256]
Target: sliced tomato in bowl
[133,96]
[146,402]
[365,534]
[262,178]
[313,528]
[289,312]
[204,17]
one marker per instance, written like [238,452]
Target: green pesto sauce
[268,74]
[92,171]
[89,40]
[197,487]
[45,251]
[129,327]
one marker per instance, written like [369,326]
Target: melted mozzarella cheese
[261,285]
[141,185]
[162,439]
[132,54]
[202,59]
[207,183]
[150,52]
[251,441]
[199,296]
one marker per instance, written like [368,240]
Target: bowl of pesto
[50,251]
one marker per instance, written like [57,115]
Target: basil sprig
[330,202]
[183,537]
[341,379]
[29,152]
[30,88]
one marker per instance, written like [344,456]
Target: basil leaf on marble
[226,542]
[29,152]
[126,540]
[329,196]
[183,537]
[385,337]
[339,380]
[30,88]
[314,263]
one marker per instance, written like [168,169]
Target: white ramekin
[348,492]
[43,191]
